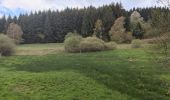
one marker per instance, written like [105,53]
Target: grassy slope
[123,74]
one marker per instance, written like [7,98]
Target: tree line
[53,26]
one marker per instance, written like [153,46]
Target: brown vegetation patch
[21,88]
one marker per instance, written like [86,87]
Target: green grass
[123,74]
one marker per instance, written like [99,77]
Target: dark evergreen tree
[2,24]
[138,32]
[48,29]
[89,19]
[52,26]
[8,21]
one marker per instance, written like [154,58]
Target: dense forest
[52,26]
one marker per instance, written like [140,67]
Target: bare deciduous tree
[118,31]
[98,30]
[165,3]
[15,32]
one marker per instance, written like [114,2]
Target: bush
[6,45]
[151,33]
[110,45]
[72,43]
[92,44]
[76,43]
[136,43]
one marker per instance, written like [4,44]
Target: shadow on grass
[133,78]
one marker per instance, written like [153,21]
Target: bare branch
[165,3]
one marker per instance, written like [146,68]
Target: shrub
[6,45]
[110,45]
[136,43]
[72,43]
[151,33]
[92,44]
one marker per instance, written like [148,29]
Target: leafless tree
[15,32]
[165,3]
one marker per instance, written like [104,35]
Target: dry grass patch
[39,49]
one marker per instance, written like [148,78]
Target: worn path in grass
[123,74]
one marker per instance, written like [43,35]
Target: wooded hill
[52,26]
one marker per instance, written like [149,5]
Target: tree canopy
[53,26]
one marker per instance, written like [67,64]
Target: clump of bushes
[110,45]
[72,43]
[136,43]
[75,43]
[7,46]
[92,44]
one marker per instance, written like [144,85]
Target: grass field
[36,73]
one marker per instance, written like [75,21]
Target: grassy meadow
[46,72]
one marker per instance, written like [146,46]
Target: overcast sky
[61,4]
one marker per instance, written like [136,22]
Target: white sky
[61,4]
